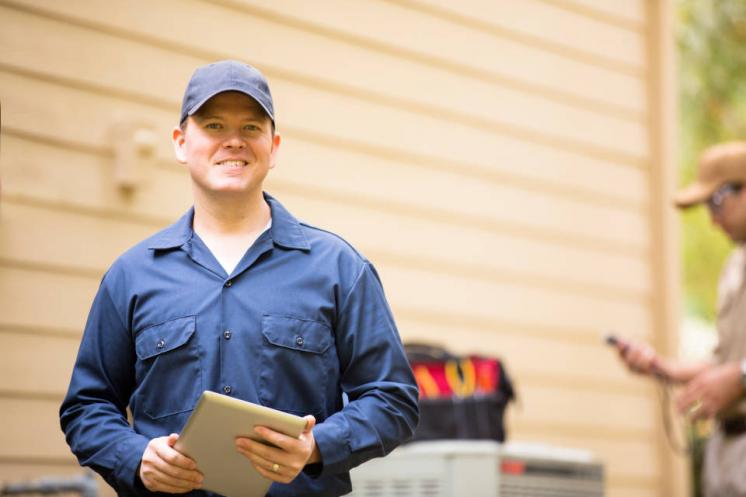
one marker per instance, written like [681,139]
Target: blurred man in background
[715,389]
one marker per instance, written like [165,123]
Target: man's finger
[276,438]
[174,457]
[190,476]
[262,450]
[271,475]
[682,403]
[156,480]
[176,477]
[257,460]
[174,464]
[310,423]
[164,486]
[691,394]
[266,467]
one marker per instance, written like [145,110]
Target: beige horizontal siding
[543,356]
[30,471]
[116,74]
[631,14]
[594,411]
[571,362]
[449,41]
[27,382]
[38,364]
[450,293]
[640,489]
[522,165]
[421,243]
[35,298]
[465,103]
[453,297]
[31,430]
[532,167]
[413,39]
[100,113]
[544,24]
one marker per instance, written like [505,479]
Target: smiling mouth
[233,163]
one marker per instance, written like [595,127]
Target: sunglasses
[716,200]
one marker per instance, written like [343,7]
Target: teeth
[232,163]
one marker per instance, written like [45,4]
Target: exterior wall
[503,163]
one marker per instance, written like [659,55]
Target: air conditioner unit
[461,468]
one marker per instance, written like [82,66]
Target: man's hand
[287,459]
[163,469]
[641,358]
[711,391]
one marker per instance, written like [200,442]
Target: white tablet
[209,438]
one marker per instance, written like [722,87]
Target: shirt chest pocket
[168,372]
[297,361]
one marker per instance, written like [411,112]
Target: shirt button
[227,389]
[228,283]
[227,334]
[299,341]
[161,343]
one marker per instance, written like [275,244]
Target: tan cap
[719,164]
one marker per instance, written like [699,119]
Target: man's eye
[213,126]
[251,127]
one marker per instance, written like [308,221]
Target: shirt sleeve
[382,411]
[93,414]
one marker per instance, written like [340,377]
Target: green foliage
[704,251]
[711,40]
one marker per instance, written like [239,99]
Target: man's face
[228,146]
[730,214]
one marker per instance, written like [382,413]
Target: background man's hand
[287,459]
[640,358]
[163,469]
[711,391]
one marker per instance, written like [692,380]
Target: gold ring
[694,407]
[275,467]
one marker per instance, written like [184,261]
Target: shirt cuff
[332,439]
[129,457]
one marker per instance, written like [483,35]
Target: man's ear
[177,136]
[276,141]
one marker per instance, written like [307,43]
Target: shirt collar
[286,231]
[175,235]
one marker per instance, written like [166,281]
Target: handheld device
[209,438]
[611,339]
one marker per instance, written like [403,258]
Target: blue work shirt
[302,319]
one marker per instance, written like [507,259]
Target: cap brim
[195,108]
[692,195]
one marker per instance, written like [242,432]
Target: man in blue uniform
[241,298]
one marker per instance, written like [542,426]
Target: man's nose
[234,140]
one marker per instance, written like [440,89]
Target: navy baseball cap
[226,75]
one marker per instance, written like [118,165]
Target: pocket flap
[298,334]
[164,337]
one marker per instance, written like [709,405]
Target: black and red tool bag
[461,397]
